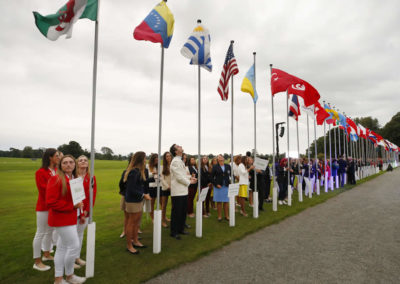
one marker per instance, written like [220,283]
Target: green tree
[107,153]
[27,152]
[72,148]
[391,130]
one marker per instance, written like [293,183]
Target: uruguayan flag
[197,48]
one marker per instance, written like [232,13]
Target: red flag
[282,81]
[320,113]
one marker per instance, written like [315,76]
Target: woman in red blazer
[63,216]
[43,232]
[82,171]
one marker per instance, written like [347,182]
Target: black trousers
[267,188]
[178,213]
[283,189]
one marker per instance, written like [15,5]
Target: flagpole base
[300,188]
[231,211]
[157,232]
[199,219]
[90,249]
[274,198]
[337,181]
[255,204]
[290,191]
[318,187]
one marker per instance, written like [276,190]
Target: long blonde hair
[76,167]
[61,174]
[137,161]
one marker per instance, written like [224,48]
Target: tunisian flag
[282,81]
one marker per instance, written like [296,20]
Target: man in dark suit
[351,169]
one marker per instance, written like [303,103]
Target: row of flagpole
[369,152]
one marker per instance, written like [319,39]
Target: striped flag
[230,68]
[197,48]
[294,110]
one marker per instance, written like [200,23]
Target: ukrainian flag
[249,83]
[158,26]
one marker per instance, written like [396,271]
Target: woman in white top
[243,182]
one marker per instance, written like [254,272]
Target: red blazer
[61,208]
[42,177]
[86,185]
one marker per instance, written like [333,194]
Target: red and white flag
[229,69]
[282,82]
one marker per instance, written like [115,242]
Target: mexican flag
[55,25]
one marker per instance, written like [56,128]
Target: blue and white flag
[197,48]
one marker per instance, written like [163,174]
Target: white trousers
[81,229]
[67,250]
[43,234]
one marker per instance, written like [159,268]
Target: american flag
[230,69]
[294,110]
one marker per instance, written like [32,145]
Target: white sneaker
[76,279]
[284,202]
[280,202]
[76,266]
[62,282]
[41,268]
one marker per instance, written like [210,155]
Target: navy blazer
[220,177]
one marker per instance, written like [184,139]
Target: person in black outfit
[267,184]
[135,184]
[351,171]
[205,181]
[282,173]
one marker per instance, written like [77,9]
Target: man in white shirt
[180,181]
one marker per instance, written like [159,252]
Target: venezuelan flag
[248,84]
[158,26]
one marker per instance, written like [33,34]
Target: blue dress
[221,194]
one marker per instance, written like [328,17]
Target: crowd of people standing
[59,221]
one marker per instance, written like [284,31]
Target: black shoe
[136,252]
[175,236]
[184,233]
[187,226]
[219,219]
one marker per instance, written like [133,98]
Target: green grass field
[113,263]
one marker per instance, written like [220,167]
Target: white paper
[203,194]
[233,189]
[260,164]
[77,190]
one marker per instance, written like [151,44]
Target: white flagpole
[199,206]
[157,213]
[255,190]
[232,198]
[316,156]
[299,181]
[91,232]
[325,174]
[340,152]
[289,188]
[330,156]
[275,186]
[308,184]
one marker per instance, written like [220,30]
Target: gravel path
[352,238]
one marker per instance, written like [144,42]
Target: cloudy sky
[348,50]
